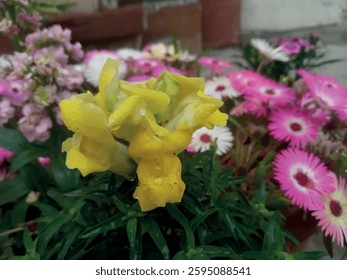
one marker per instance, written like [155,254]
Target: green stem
[261,65]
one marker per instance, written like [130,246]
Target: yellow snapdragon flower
[156,118]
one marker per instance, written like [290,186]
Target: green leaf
[326,62]
[182,220]
[200,218]
[65,178]
[68,240]
[256,255]
[24,157]
[13,140]
[109,224]
[131,231]
[316,255]
[50,230]
[28,243]
[46,209]
[12,189]
[150,226]
[18,213]
[218,252]
[61,199]
[228,221]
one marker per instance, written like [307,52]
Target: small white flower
[187,57]
[92,69]
[203,138]
[220,87]
[130,54]
[268,51]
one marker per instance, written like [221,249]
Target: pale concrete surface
[285,15]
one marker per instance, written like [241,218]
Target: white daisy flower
[220,87]
[93,67]
[187,57]
[268,51]
[130,54]
[203,138]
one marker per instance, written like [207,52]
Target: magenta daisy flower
[290,47]
[265,95]
[325,90]
[292,126]
[145,64]
[139,78]
[341,112]
[333,217]
[244,80]
[216,65]
[303,178]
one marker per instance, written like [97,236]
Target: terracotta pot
[106,28]
[220,23]
[183,21]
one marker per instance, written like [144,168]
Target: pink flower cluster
[38,78]
[25,21]
[296,117]
[294,45]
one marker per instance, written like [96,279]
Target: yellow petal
[176,141]
[125,120]
[145,145]
[91,156]
[108,73]
[87,156]
[218,118]
[156,101]
[81,115]
[159,182]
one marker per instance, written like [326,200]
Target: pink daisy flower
[333,217]
[303,178]
[145,64]
[341,112]
[290,47]
[216,65]
[139,78]
[265,95]
[326,80]
[292,126]
[318,115]
[244,80]
[325,90]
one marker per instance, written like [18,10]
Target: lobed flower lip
[156,118]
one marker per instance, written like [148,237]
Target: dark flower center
[205,138]
[269,91]
[296,127]
[220,88]
[335,208]
[303,180]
